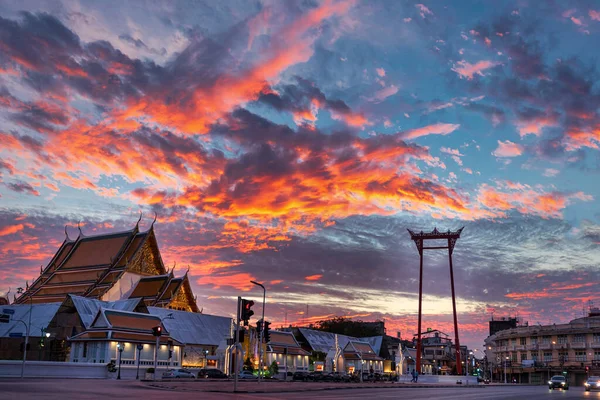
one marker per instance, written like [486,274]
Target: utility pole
[237,342]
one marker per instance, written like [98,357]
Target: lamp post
[205,358]
[505,362]
[27,328]
[261,333]
[139,348]
[120,349]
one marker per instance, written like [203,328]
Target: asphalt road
[62,389]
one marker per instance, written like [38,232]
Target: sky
[294,142]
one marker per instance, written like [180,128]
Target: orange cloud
[313,277]
[11,229]
[239,281]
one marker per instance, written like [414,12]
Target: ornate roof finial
[14,298]
[137,224]
[155,216]
[27,285]
[41,269]
[188,270]
[67,234]
[79,227]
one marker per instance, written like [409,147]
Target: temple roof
[41,315]
[90,266]
[194,328]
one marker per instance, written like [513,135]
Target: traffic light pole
[237,342]
[261,333]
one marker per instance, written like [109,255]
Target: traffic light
[259,328]
[267,334]
[246,311]
[157,331]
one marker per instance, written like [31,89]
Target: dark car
[300,376]
[558,382]
[212,373]
[316,376]
[592,383]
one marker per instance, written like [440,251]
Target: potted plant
[112,369]
[149,374]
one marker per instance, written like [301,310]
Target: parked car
[558,381]
[592,383]
[212,373]
[178,373]
[247,375]
[300,376]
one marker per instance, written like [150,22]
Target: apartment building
[532,354]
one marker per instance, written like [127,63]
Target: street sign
[15,334]
[8,311]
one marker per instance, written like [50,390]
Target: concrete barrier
[50,369]
[448,379]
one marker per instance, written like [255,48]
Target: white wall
[42,369]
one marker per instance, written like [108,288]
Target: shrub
[111,367]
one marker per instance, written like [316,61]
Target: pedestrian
[416,376]
[412,373]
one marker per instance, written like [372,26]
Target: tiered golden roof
[90,266]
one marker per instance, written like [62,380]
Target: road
[61,389]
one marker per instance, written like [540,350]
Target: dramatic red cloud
[239,281]
[292,45]
[11,229]
[595,15]
[313,277]
[526,200]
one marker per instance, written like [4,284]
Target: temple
[111,267]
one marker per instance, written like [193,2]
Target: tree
[248,365]
[345,326]
[274,368]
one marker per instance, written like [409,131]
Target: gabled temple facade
[111,267]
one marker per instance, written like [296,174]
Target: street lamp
[120,348]
[139,348]
[261,333]
[505,362]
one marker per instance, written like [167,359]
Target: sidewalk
[282,387]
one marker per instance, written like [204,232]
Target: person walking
[412,373]
[416,376]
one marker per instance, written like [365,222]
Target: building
[502,324]
[531,354]
[111,267]
[284,350]
[102,292]
[341,353]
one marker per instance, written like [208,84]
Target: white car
[246,375]
[178,373]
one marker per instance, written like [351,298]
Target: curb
[298,390]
